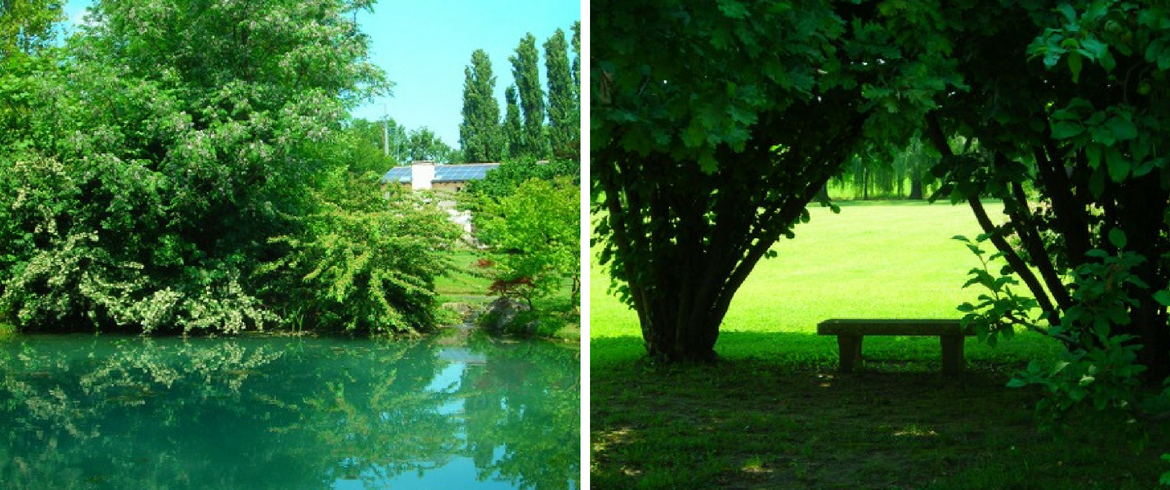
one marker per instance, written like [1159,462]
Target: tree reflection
[282,413]
[518,406]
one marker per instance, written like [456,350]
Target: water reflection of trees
[280,413]
[522,400]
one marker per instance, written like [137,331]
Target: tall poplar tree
[577,61]
[527,74]
[479,134]
[563,107]
[513,128]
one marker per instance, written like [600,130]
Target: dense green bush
[362,262]
[180,168]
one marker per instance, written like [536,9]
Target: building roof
[444,173]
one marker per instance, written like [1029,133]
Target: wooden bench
[850,333]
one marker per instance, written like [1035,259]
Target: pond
[456,411]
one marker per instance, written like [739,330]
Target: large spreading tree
[708,147]
[1068,107]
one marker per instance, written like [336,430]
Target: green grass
[464,284]
[773,413]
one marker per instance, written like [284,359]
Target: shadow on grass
[773,413]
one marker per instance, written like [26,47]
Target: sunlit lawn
[463,282]
[775,414]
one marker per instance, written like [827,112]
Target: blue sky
[424,45]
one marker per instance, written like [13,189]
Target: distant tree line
[535,125]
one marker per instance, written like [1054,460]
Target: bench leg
[952,353]
[849,347]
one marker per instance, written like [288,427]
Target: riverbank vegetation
[194,170]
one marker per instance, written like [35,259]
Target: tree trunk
[683,239]
[674,340]
[1141,208]
[865,184]
[916,187]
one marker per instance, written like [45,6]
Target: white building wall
[422,174]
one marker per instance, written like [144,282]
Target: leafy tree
[534,235]
[424,145]
[714,125]
[914,163]
[577,60]
[364,263]
[882,169]
[362,140]
[1075,109]
[526,72]
[370,134]
[479,133]
[26,26]
[513,128]
[184,171]
[564,110]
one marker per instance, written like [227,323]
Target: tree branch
[938,138]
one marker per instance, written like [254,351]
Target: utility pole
[385,131]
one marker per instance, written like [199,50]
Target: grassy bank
[464,283]
[775,414]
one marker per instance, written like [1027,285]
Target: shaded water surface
[118,412]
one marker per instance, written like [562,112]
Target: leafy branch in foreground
[1099,368]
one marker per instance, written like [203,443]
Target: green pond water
[458,411]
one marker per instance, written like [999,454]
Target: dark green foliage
[513,127]
[713,126]
[1076,107]
[885,171]
[479,134]
[525,70]
[564,109]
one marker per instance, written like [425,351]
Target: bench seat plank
[851,332]
[891,327]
